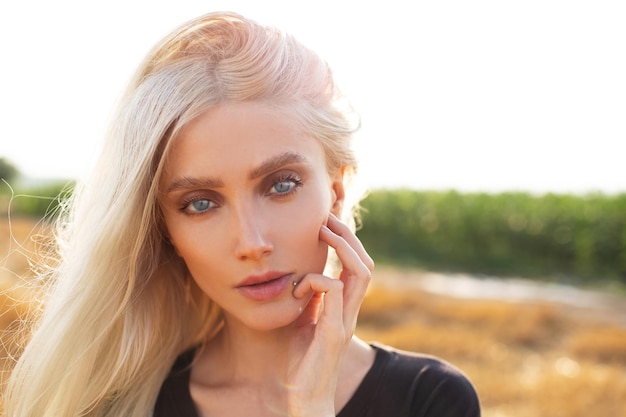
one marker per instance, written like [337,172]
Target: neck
[240,354]
[255,363]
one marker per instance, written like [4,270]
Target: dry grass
[20,242]
[525,359]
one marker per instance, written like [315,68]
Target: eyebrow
[266,167]
[276,162]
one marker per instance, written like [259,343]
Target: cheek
[194,244]
[307,250]
[302,237]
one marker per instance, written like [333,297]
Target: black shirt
[399,384]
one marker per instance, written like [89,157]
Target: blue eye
[283,187]
[199,206]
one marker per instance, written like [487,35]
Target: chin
[269,318]
[268,324]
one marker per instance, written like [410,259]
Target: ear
[338,192]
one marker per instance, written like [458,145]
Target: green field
[577,239]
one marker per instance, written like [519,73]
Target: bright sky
[473,95]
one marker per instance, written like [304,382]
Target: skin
[246,192]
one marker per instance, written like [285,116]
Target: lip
[266,286]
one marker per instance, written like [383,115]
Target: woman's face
[244,194]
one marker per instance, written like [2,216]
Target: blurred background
[492,142]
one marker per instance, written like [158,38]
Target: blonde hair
[122,306]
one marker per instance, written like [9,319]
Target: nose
[252,241]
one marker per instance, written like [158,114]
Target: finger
[350,259]
[315,283]
[332,291]
[339,228]
[355,275]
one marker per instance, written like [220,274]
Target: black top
[399,384]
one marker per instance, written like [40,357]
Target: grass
[526,359]
[20,241]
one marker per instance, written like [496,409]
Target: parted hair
[121,305]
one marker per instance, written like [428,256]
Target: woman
[191,274]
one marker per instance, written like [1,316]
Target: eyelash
[292,178]
[297,183]
[188,202]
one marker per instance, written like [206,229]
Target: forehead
[239,136]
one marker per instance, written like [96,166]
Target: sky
[474,95]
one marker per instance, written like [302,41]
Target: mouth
[265,287]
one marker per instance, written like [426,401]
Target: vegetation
[578,239]
[8,171]
[525,359]
[42,201]
[571,237]
[39,200]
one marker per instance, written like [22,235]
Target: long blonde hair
[122,305]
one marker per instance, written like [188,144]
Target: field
[531,358]
[525,359]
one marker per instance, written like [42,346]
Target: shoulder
[432,386]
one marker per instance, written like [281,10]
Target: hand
[326,326]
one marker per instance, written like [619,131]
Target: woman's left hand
[327,324]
